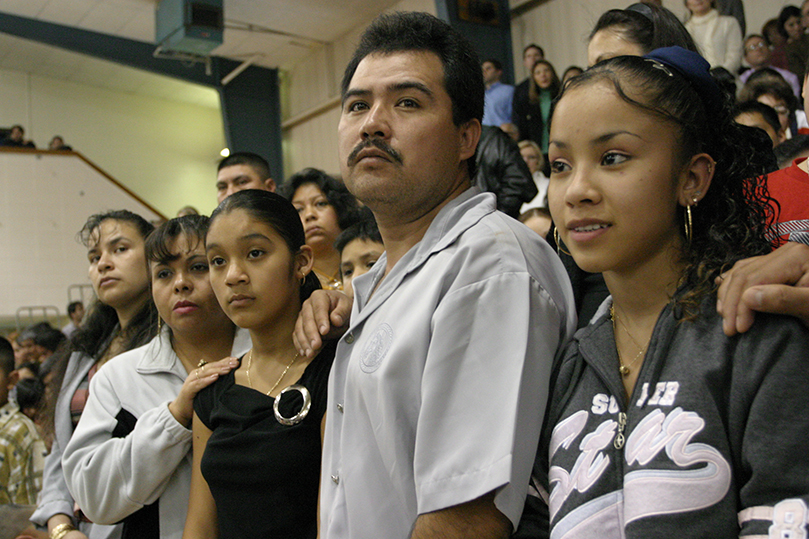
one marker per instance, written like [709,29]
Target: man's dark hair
[252,160]
[31,332]
[768,81]
[790,149]
[766,111]
[50,339]
[30,393]
[415,31]
[73,305]
[6,356]
[533,46]
[365,229]
[498,65]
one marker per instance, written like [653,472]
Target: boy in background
[756,114]
[360,246]
[22,451]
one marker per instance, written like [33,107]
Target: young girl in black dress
[257,431]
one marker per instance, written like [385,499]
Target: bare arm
[201,520]
[323,316]
[479,519]
[773,283]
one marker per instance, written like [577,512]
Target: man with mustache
[438,390]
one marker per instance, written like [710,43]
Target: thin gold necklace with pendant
[624,369]
[250,362]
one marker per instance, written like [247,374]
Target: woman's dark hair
[647,25]
[731,220]
[95,333]
[787,13]
[159,243]
[279,214]
[101,323]
[30,392]
[343,202]
[725,80]
[534,90]
[766,30]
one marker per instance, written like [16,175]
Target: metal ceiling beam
[129,52]
[250,102]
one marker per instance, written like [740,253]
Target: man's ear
[469,137]
[269,183]
[697,176]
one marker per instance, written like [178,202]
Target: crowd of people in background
[767,68]
[233,378]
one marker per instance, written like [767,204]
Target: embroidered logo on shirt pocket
[376,349]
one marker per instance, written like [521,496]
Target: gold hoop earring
[559,248]
[303,280]
[159,325]
[688,224]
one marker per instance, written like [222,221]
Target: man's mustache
[377,143]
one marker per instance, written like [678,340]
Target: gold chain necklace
[329,282]
[624,369]
[250,362]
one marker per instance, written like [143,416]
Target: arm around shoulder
[775,283]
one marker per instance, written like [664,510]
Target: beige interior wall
[313,87]
[45,198]
[165,151]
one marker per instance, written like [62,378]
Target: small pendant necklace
[624,369]
[250,362]
[329,282]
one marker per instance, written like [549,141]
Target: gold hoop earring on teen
[559,249]
[689,225]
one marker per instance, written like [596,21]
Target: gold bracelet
[61,530]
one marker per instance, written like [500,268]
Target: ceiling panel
[67,12]
[24,8]
[305,25]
